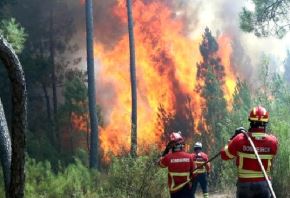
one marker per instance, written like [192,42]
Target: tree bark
[5,149]
[94,148]
[19,118]
[133,80]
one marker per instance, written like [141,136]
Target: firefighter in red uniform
[180,166]
[251,181]
[200,174]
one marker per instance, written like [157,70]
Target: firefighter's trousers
[185,192]
[202,180]
[253,190]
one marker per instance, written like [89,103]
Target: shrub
[135,177]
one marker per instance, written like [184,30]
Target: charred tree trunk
[94,149]
[19,118]
[133,80]
[5,149]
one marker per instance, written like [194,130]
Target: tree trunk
[5,149]
[52,62]
[133,80]
[52,135]
[47,102]
[19,118]
[71,134]
[94,150]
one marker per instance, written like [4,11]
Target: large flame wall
[166,74]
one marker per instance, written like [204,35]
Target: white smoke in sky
[222,16]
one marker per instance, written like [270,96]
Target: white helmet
[198,145]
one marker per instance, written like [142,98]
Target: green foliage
[126,177]
[287,67]
[279,120]
[76,180]
[75,93]
[242,98]
[75,96]
[246,21]
[281,170]
[211,73]
[269,18]
[135,177]
[14,33]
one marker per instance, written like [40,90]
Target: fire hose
[255,152]
[258,158]
[260,163]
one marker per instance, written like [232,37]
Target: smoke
[222,17]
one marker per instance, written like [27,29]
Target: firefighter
[180,166]
[201,173]
[251,181]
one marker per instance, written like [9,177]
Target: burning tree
[211,78]
[180,120]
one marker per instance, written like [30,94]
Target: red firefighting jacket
[248,167]
[199,158]
[180,166]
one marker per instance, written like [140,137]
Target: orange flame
[225,51]
[166,73]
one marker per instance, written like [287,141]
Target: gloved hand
[167,149]
[238,131]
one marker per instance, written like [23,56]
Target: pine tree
[132,80]
[210,74]
[94,145]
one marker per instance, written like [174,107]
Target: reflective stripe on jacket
[248,167]
[200,158]
[180,165]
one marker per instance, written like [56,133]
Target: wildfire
[225,51]
[166,74]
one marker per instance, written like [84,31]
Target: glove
[238,131]
[167,149]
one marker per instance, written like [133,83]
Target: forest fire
[166,76]
[225,52]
